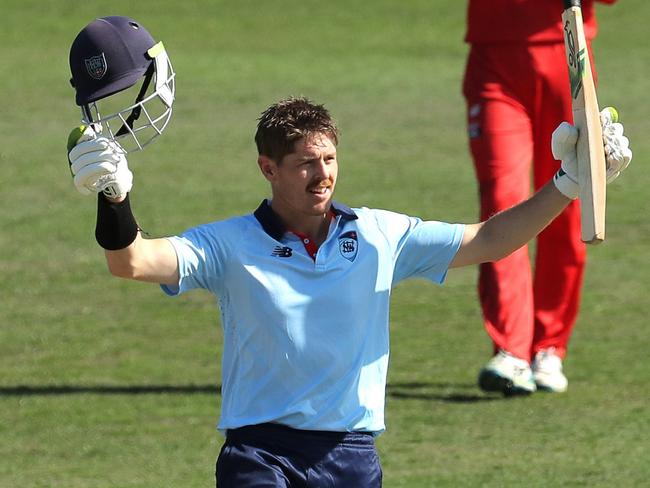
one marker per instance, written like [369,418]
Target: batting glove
[98,164]
[617,147]
[563,145]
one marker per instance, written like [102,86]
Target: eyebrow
[307,158]
[315,157]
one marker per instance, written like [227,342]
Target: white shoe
[547,371]
[507,374]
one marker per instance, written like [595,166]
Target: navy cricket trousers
[276,456]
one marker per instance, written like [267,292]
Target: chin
[321,208]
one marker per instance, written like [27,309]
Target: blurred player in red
[517,91]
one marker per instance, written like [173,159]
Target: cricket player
[517,91]
[303,284]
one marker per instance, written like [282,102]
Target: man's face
[303,183]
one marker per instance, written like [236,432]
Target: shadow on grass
[435,391]
[47,390]
[439,391]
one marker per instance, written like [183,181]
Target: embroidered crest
[348,245]
[96,66]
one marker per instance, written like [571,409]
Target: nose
[322,170]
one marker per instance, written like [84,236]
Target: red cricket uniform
[517,91]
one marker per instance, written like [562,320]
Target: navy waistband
[272,430]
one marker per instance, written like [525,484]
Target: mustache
[328,183]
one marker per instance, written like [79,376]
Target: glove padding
[98,164]
[563,145]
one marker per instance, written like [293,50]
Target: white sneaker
[507,374]
[547,371]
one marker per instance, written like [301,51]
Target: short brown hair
[289,120]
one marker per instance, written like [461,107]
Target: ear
[267,166]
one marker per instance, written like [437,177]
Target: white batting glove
[98,164]
[563,146]
[617,147]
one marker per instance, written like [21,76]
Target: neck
[316,227]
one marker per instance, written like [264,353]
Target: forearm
[128,254]
[510,229]
[507,231]
[116,227]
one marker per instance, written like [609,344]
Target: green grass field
[108,383]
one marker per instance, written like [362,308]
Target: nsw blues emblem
[348,245]
[96,66]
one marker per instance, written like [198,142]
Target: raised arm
[99,166]
[507,231]
[150,260]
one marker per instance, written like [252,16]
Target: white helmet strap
[161,61]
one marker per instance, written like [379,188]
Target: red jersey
[528,21]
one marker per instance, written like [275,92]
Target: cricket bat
[586,117]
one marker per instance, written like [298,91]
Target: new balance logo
[282,252]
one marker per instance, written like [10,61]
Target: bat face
[586,117]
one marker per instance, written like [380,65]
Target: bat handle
[572,3]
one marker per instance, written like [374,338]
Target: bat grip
[572,3]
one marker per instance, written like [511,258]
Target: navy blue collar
[274,227]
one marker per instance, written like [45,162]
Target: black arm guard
[116,226]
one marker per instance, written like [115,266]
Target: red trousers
[516,96]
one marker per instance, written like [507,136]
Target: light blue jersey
[306,340]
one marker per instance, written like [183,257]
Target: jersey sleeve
[428,249]
[201,254]
[420,248]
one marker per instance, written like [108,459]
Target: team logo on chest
[348,245]
[96,66]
